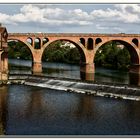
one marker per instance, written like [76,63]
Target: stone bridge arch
[87,44]
[24,42]
[86,55]
[131,47]
[28,46]
[78,45]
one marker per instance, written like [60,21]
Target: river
[73,72]
[27,110]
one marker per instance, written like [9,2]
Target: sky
[71,18]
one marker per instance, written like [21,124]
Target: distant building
[65,44]
[120,46]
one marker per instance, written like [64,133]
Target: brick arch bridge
[87,44]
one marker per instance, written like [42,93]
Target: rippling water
[27,110]
[73,72]
[32,110]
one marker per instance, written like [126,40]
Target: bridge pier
[134,69]
[134,74]
[134,79]
[3,66]
[37,67]
[87,71]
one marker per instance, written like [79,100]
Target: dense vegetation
[65,54]
[109,55]
[18,50]
[113,57]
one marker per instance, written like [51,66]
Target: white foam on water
[82,87]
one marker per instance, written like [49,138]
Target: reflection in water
[35,105]
[73,72]
[134,79]
[85,106]
[3,100]
[87,76]
[34,110]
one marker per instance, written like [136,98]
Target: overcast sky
[75,18]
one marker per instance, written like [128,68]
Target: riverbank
[77,86]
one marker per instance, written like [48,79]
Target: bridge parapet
[73,34]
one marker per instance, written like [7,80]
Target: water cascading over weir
[3,54]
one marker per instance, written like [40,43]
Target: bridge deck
[74,34]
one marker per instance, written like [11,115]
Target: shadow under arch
[80,48]
[131,47]
[78,45]
[27,46]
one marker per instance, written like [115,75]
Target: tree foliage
[109,55]
[56,53]
[18,50]
[53,53]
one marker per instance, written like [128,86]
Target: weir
[76,86]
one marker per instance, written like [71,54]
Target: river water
[73,72]
[27,110]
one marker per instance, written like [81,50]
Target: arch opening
[90,44]
[20,57]
[135,41]
[45,40]
[116,54]
[30,41]
[63,57]
[82,41]
[37,43]
[98,40]
[65,45]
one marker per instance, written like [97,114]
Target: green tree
[123,59]
[111,56]
[56,53]
[18,49]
